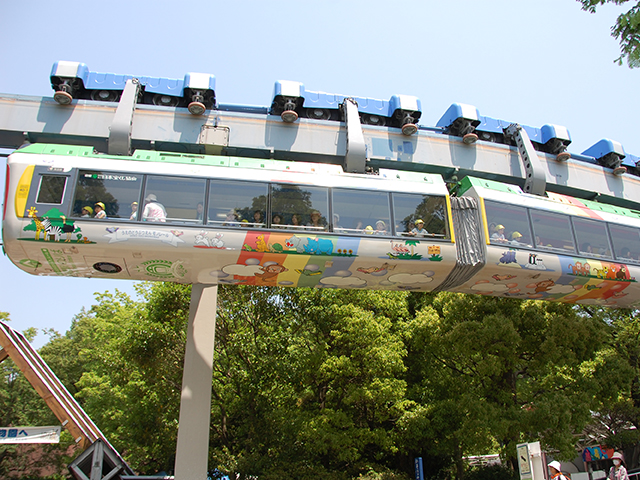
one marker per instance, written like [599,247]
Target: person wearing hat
[618,471]
[153,210]
[555,471]
[515,238]
[99,209]
[419,230]
[381,227]
[498,235]
[134,211]
[87,211]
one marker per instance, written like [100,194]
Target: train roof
[504,192]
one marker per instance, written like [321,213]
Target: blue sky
[529,62]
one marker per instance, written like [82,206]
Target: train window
[592,238]
[51,189]
[359,211]
[174,198]
[508,224]
[117,191]
[552,231]
[301,206]
[237,204]
[626,242]
[409,208]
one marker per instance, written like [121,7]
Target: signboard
[524,461]
[29,434]
[419,472]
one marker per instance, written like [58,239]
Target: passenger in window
[586,248]
[336,223]
[517,240]
[153,210]
[296,221]
[419,230]
[359,227]
[231,220]
[87,211]
[258,219]
[625,254]
[276,221]
[498,235]
[381,228]
[134,211]
[200,212]
[99,209]
[316,221]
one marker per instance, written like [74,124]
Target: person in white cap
[618,471]
[555,471]
[153,210]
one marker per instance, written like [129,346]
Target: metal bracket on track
[356,158]
[535,178]
[120,130]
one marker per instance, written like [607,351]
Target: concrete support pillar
[195,405]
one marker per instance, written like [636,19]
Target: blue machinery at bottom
[231,220]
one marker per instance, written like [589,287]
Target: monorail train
[228,220]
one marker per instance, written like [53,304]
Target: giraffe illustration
[40,227]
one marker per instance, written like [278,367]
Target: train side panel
[537,275]
[153,251]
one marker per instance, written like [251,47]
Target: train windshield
[51,189]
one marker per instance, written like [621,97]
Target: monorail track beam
[251,132]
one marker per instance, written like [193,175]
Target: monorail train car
[231,220]
[556,248]
[212,219]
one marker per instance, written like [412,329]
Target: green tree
[626,30]
[20,405]
[306,382]
[617,420]
[489,373]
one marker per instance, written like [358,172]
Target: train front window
[174,198]
[430,212]
[592,238]
[51,189]
[626,242]
[552,231]
[237,204]
[360,211]
[508,224]
[116,191]
[301,206]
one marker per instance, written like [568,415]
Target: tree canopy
[345,383]
[626,30]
